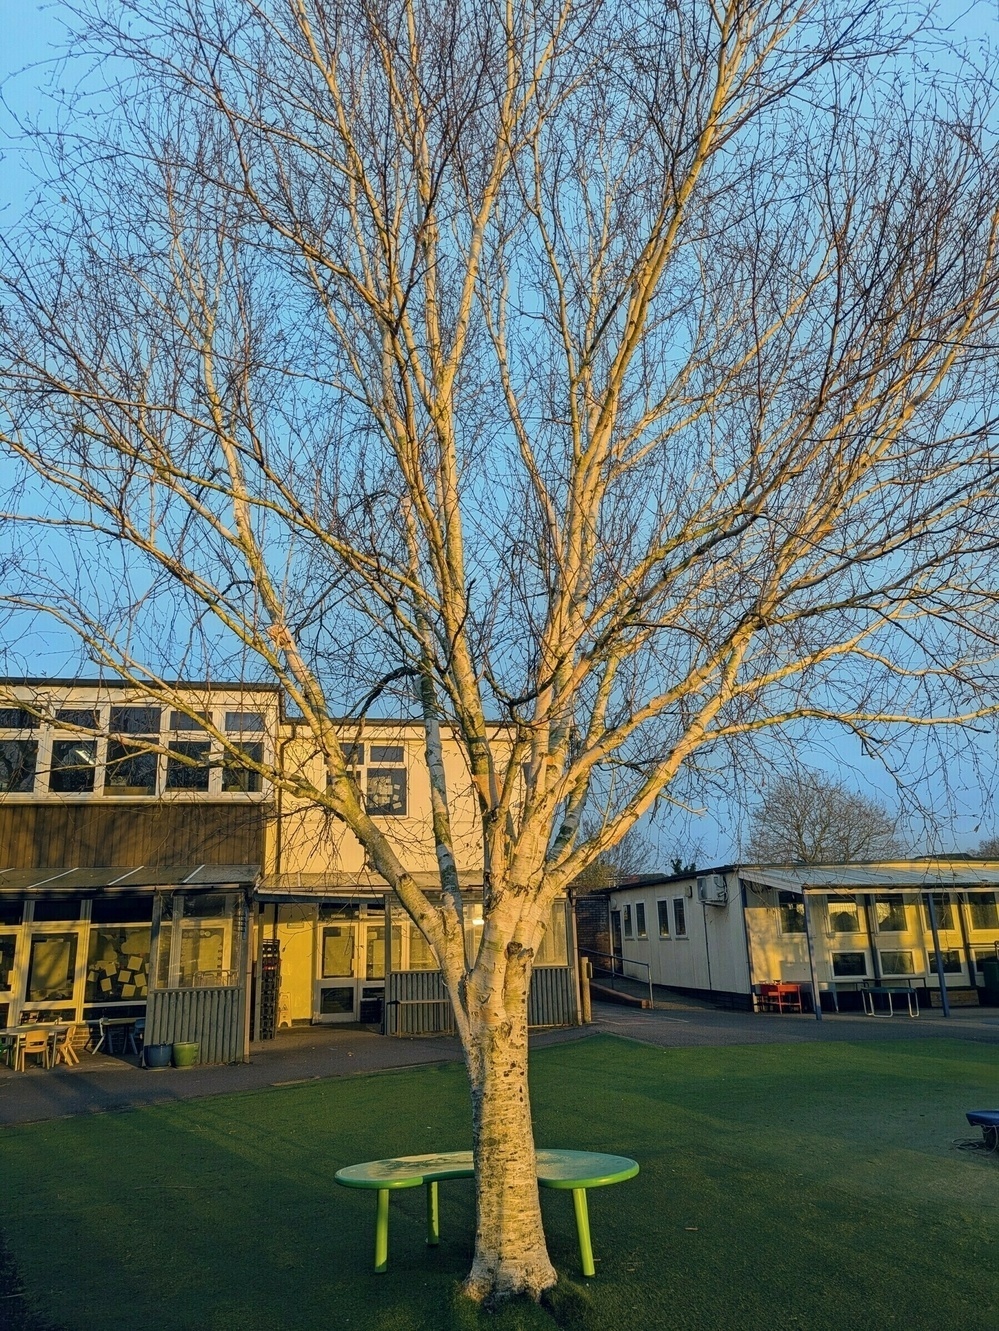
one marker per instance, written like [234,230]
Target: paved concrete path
[103,1084]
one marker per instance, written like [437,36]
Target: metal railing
[616,970]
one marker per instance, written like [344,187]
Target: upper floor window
[135,721]
[85,717]
[129,770]
[188,765]
[244,723]
[236,775]
[181,720]
[73,766]
[17,718]
[18,760]
[383,779]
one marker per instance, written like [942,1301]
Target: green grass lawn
[783,1188]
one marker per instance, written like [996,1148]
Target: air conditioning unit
[712,889]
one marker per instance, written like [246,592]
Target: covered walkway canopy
[925,878]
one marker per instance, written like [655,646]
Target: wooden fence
[212,1016]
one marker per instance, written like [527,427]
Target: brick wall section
[593,923]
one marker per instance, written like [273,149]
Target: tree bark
[511,1255]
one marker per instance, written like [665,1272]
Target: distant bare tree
[988,849]
[623,373]
[809,818]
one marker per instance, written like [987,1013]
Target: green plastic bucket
[185,1054]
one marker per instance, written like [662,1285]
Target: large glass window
[118,964]
[73,765]
[951,958]
[943,908]
[848,965]
[129,771]
[844,915]
[662,909]
[77,716]
[17,718]
[135,721]
[679,917]
[235,776]
[640,930]
[891,915]
[51,968]
[244,723]
[189,770]
[790,913]
[897,963]
[194,945]
[984,913]
[181,721]
[629,930]
[18,760]
[386,791]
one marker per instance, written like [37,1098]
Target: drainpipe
[939,956]
[816,996]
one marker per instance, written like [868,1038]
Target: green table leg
[583,1230]
[381,1230]
[433,1216]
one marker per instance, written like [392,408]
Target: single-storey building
[824,938]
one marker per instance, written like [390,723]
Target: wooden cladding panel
[49,836]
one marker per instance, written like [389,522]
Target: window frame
[641,929]
[679,917]
[662,911]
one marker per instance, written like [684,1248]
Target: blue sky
[960,790]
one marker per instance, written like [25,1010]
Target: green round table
[572,1170]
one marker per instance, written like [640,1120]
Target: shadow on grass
[15,1314]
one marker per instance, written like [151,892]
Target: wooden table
[574,1171]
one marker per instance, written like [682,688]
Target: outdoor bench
[572,1170]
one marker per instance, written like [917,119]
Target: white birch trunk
[511,1256]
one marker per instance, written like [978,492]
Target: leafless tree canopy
[808,818]
[621,372]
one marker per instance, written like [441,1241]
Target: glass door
[336,983]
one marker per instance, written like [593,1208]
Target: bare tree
[809,818]
[621,373]
[988,849]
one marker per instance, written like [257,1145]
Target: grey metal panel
[211,1017]
[416,1001]
[417,1004]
